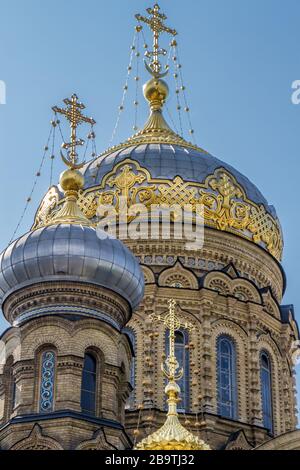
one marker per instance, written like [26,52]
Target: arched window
[88,385]
[226,375]
[47,382]
[182,356]
[266,390]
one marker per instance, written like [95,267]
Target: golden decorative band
[226,206]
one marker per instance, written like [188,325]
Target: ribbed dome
[70,253]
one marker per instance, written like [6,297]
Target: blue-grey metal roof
[167,161]
[70,253]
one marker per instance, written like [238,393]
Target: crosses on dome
[156,24]
[75,117]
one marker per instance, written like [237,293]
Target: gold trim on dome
[226,206]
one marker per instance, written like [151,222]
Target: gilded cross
[157,26]
[75,117]
[173,323]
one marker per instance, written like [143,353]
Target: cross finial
[75,117]
[157,26]
[173,323]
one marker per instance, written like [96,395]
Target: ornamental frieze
[224,201]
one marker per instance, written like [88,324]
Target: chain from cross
[156,24]
[75,117]
[173,323]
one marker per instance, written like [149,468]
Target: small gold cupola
[172,435]
[71,180]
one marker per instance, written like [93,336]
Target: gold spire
[71,180]
[172,435]
[156,90]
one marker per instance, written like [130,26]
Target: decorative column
[254,375]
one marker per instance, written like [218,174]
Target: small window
[88,386]
[47,382]
[177,284]
[266,391]
[226,378]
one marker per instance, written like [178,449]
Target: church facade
[82,368]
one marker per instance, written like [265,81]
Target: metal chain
[38,174]
[183,88]
[125,88]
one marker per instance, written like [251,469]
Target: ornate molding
[226,206]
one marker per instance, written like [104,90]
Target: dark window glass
[226,378]
[88,386]
[266,391]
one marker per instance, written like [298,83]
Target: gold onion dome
[172,435]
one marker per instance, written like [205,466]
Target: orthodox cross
[156,24]
[73,114]
[173,323]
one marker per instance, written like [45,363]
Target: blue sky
[239,60]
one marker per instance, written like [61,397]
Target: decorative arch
[178,276]
[34,340]
[148,275]
[104,340]
[99,442]
[37,441]
[219,282]
[241,288]
[245,290]
[270,305]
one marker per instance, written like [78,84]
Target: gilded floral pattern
[226,206]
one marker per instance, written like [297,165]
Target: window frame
[266,416]
[95,357]
[42,352]
[232,376]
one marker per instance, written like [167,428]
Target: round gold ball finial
[156,92]
[71,180]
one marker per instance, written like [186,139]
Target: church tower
[86,328]
[67,290]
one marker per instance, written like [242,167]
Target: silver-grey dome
[167,161]
[70,253]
